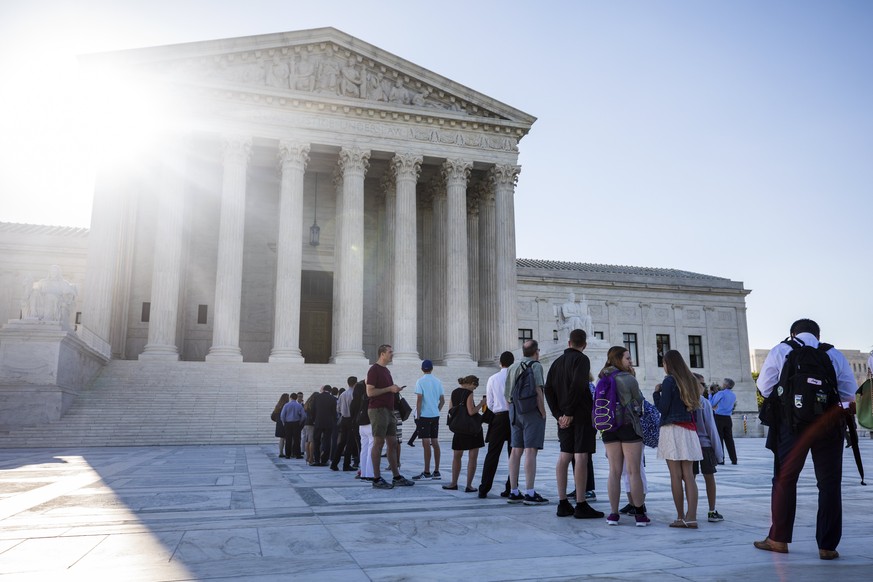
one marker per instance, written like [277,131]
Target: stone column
[385,259]
[438,272]
[504,178]
[107,220]
[228,280]
[167,265]
[489,350]
[406,170]
[709,320]
[743,333]
[681,338]
[473,270]
[649,356]
[293,158]
[612,331]
[426,274]
[337,254]
[353,163]
[456,173]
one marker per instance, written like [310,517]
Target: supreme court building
[307,197]
[318,196]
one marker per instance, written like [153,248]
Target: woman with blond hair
[463,396]
[677,397]
[624,445]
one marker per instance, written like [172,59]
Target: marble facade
[202,252]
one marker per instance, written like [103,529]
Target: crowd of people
[689,424]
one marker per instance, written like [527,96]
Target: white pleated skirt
[676,443]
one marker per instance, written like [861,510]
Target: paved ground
[241,513]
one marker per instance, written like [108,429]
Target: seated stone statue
[50,299]
[573,315]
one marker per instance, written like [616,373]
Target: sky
[726,137]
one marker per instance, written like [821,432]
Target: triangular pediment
[322,64]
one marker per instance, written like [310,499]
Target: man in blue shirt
[430,400]
[292,417]
[723,403]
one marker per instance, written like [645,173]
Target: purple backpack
[607,414]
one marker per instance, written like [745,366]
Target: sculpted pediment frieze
[323,70]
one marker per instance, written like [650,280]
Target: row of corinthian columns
[460,229]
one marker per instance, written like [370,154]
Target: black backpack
[524,391]
[807,385]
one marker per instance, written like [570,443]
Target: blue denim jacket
[669,403]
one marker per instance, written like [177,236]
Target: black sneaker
[564,508]
[504,493]
[381,483]
[401,481]
[628,510]
[585,511]
[714,516]
[515,498]
[422,475]
[535,499]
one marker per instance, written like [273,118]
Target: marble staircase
[134,403]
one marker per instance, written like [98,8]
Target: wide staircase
[133,403]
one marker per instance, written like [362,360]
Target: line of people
[354,425]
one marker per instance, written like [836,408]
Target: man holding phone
[381,391]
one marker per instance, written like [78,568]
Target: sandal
[691,524]
[679,523]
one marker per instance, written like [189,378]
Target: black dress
[465,442]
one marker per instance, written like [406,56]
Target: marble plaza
[241,513]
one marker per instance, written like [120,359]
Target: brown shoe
[828,554]
[771,546]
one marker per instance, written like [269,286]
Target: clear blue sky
[733,138]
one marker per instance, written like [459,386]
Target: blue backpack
[607,414]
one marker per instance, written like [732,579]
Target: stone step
[177,403]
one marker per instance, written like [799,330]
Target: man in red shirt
[381,391]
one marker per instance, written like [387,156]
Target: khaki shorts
[383,422]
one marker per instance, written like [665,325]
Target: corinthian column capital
[473,203]
[293,154]
[236,148]
[354,161]
[456,170]
[406,165]
[504,175]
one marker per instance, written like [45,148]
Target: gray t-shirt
[515,372]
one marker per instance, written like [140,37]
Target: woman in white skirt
[676,397]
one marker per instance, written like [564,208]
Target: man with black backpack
[527,418]
[805,383]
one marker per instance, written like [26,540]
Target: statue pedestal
[43,367]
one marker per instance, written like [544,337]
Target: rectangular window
[695,351]
[630,342]
[78,318]
[662,343]
[146,312]
[524,335]
[598,334]
[201,313]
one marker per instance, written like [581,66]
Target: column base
[355,359]
[224,354]
[163,353]
[458,360]
[287,356]
[406,358]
